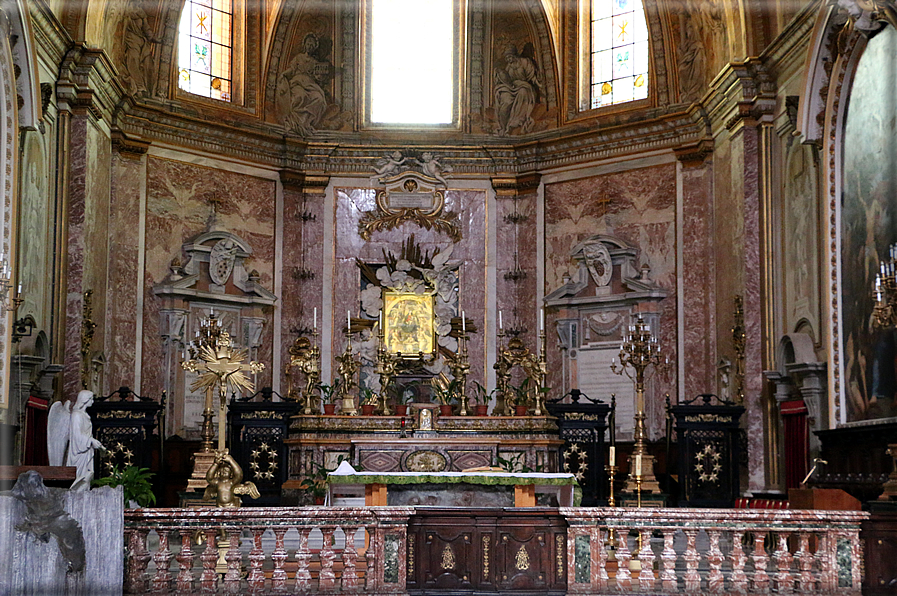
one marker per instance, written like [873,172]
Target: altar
[470,488]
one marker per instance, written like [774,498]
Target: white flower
[372,300]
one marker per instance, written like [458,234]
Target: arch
[794,348]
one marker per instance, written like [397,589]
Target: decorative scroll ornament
[521,562]
[410,197]
[865,16]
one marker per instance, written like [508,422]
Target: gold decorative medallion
[487,541]
[448,557]
[414,199]
[559,554]
[425,461]
[521,562]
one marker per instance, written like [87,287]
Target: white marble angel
[70,439]
[430,166]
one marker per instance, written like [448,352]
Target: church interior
[390,258]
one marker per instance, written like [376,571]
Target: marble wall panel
[638,206]
[75,254]
[697,277]
[177,210]
[122,289]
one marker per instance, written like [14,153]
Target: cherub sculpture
[389,165]
[431,167]
[70,439]
[225,479]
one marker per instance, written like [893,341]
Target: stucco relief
[134,42]
[701,44]
[801,244]
[34,224]
[304,96]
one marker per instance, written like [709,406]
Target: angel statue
[387,166]
[430,166]
[225,479]
[70,439]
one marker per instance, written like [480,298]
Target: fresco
[868,228]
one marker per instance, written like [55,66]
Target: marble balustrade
[715,551]
[245,551]
[657,551]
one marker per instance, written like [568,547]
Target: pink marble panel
[177,210]
[75,255]
[638,206]
[122,289]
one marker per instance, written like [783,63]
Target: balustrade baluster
[234,559]
[370,557]
[783,559]
[279,556]
[326,577]
[624,576]
[738,578]
[825,560]
[209,578]
[806,583]
[597,539]
[303,556]
[138,560]
[715,581]
[668,559]
[185,562]
[646,557]
[692,558]
[349,579]
[761,560]
[162,558]
[256,577]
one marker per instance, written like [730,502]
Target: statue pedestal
[649,481]
[202,461]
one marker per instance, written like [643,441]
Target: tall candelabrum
[347,369]
[460,367]
[387,364]
[206,336]
[884,316]
[639,351]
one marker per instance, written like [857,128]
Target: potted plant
[135,482]
[368,401]
[521,398]
[327,393]
[481,399]
[316,482]
[405,398]
[445,394]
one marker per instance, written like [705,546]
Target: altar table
[346,481]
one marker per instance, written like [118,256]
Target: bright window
[619,52]
[412,86]
[205,48]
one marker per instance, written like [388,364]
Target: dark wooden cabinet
[487,551]
[879,535]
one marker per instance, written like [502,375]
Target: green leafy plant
[445,393]
[368,397]
[328,391]
[521,393]
[135,483]
[316,482]
[482,396]
[515,464]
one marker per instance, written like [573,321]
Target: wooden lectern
[833,499]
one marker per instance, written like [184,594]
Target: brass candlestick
[348,368]
[460,367]
[638,351]
[386,370]
[611,501]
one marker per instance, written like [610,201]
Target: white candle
[19,291]
[381,320]
[638,465]
[500,326]
[348,321]
[316,318]
[613,455]
[463,322]
[542,320]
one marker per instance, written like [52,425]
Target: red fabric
[35,452]
[797,441]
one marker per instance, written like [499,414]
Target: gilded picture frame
[409,327]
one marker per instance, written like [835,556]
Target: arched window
[206,47]
[410,41]
[618,52]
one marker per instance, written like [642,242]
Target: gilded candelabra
[535,368]
[639,351]
[206,336]
[611,469]
[306,356]
[348,368]
[386,369]
[884,316]
[460,366]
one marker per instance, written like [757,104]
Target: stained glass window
[619,52]
[205,47]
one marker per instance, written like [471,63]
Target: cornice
[52,39]
[88,80]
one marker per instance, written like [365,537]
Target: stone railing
[247,550]
[723,551]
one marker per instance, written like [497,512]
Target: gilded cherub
[225,479]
